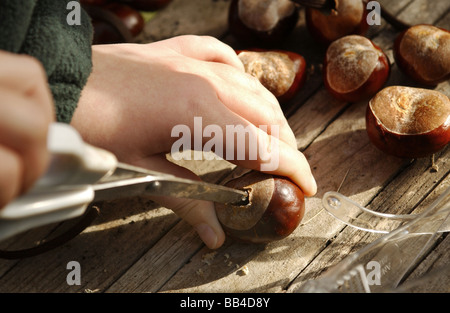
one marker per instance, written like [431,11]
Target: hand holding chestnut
[127,103]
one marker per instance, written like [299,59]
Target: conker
[423,53]
[409,122]
[262,22]
[349,17]
[130,17]
[355,68]
[282,72]
[275,208]
[114,22]
[106,33]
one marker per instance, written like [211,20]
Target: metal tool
[80,174]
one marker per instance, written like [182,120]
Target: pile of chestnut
[119,21]
[354,67]
[403,121]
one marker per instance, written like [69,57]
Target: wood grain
[137,246]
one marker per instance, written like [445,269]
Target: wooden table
[137,246]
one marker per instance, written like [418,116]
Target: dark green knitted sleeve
[39,28]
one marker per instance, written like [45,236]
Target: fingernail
[208,236]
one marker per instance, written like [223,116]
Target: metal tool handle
[65,190]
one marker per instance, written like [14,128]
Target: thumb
[200,214]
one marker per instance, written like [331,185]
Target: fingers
[244,95]
[23,129]
[253,147]
[206,48]
[26,110]
[259,112]
[200,214]
[283,160]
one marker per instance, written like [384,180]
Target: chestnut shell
[274,211]
[256,38]
[423,69]
[373,83]
[130,17]
[300,72]
[407,145]
[338,23]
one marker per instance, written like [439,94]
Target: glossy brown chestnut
[130,17]
[423,53]
[282,72]
[275,208]
[109,27]
[349,17]
[355,68]
[262,23]
[147,5]
[105,33]
[409,122]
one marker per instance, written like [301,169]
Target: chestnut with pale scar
[422,52]
[409,122]
[262,22]
[274,210]
[282,72]
[348,17]
[355,68]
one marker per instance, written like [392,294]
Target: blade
[130,181]
[126,171]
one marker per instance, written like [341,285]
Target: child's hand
[26,110]
[138,93]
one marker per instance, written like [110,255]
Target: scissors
[80,174]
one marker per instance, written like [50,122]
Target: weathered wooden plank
[165,257]
[417,182]
[143,253]
[343,145]
[416,187]
[401,196]
[122,233]
[433,274]
[268,275]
